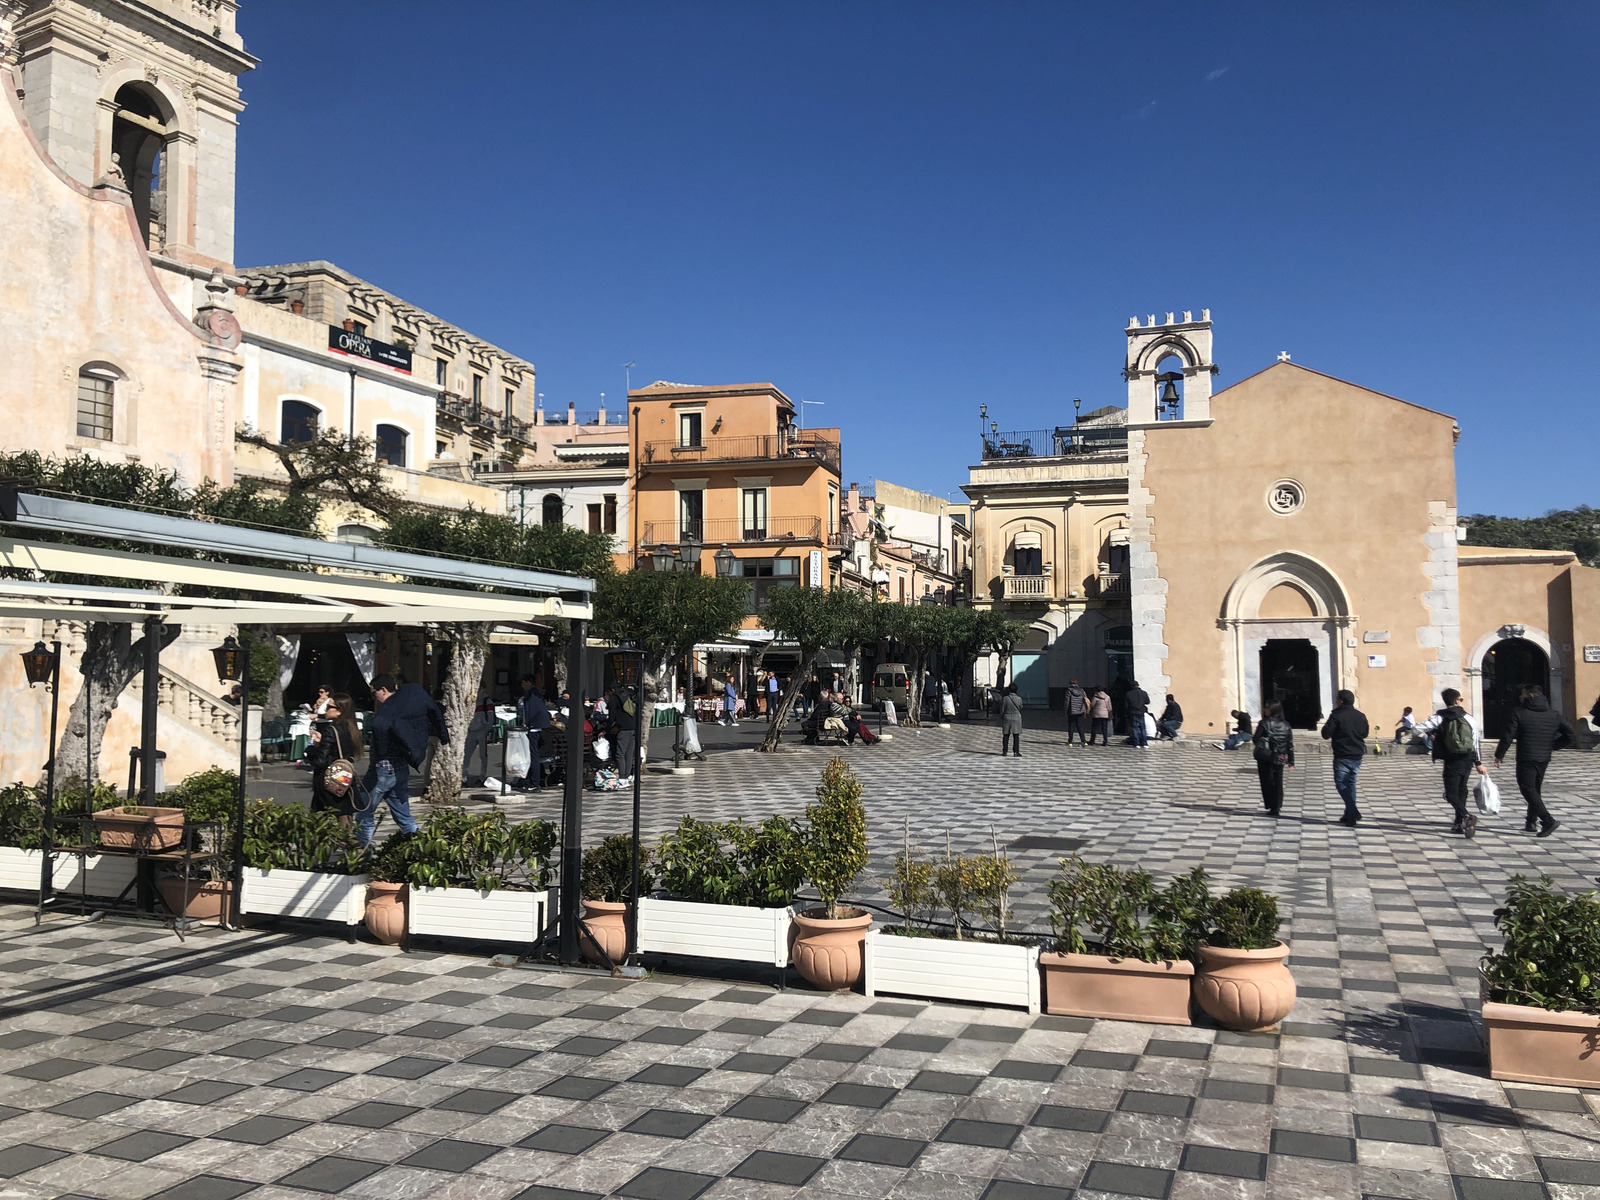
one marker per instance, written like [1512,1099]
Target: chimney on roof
[855,498]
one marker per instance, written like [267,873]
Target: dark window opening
[689,424]
[1027,560]
[553,512]
[594,518]
[610,521]
[299,423]
[440,367]
[391,445]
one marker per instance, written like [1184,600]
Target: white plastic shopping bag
[889,717]
[691,735]
[1488,796]
[602,748]
[1150,730]
[518,759]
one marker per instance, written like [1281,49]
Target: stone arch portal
[1276,651]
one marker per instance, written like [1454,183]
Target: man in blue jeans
[1136,705]
[406,716]
[1347,728]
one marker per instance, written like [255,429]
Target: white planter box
[108,874]
[497,916]
[304,894]
[728,931]
[944,969]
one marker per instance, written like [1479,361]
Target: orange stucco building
[729,466]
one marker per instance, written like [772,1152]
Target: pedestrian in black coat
[1347,728]
[1274,751]
[1538,731]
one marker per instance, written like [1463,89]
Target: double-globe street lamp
[43,665]
[233,666]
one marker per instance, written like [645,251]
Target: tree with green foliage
[330,464]
[810,618]
[862,620]
[1574,529]
[478,536]
[666,614]
[974,632]
[921,630]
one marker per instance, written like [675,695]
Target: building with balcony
[1050,546]
[729,465]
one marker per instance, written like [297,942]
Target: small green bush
[22,814]
[1551,956]
[1126,914]
[1244,919]
[290,837]
[732,862]
[457,849]
[608,870]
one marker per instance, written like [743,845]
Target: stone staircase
[199,710]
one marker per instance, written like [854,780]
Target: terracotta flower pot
[1539,1045]
[1244,989]
[386,912]
[137,827]
[828,953]
[207,898]
[1120,989]
[605,927]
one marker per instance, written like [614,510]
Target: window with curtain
[390,444]
[689,426]
[691,515]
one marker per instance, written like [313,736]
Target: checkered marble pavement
[279,1064]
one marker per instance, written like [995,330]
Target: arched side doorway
[1503,664]
[1285,620]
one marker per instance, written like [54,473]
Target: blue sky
[906,209]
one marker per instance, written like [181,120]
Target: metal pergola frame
[348,585]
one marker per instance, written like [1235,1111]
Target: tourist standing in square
[1346,729]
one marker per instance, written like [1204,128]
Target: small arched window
[391,445]
[356,535]
[555,512]
[299,423]
[97,400]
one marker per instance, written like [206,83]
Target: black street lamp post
[627,668]
[233,666]
[44,666]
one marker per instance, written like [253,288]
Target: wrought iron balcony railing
[755,446]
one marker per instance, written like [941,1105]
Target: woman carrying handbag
[335,746]
[1274,751]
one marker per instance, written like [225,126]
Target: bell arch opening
[140,131]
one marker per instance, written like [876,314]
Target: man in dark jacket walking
[1136,704]
[1077,709]
[1347,728]
[1538,731]
[406,717]
[1457,737]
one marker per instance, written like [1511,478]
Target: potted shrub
[729,889]
[465,875]
[827,945]
[607,882]
[1541,990]
[22,839]
[299,863]
[205,797]
[1138,967]
[958,960]
[1242,982]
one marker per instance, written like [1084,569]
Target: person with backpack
[1457,737]
[1538,731]
[1077,709]
[1346,729]
[621,717]
[1274,753]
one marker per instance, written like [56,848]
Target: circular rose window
[1286,497]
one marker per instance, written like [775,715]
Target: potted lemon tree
[1541,990]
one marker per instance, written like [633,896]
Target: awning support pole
[152,697]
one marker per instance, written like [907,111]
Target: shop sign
[359,345]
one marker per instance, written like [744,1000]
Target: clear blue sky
[906,209]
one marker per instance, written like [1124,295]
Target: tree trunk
[469,646]
[916,663]
[796,682]
[111,659]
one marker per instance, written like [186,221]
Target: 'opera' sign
[359,345]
